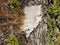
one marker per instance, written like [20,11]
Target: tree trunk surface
[36,37]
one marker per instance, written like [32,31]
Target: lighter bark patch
[33,16]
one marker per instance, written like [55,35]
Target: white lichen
[33,16]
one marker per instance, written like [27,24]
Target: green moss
[52,37]
[58,19]
[12,40]
[14,4]
[54,9]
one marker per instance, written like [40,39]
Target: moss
[12,40]
[13,4]
[52,37]
[54,9]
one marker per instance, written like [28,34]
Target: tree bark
[37,35]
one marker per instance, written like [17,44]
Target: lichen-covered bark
[36,37]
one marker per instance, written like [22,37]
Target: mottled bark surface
[36,36]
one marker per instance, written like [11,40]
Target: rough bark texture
[37,36]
